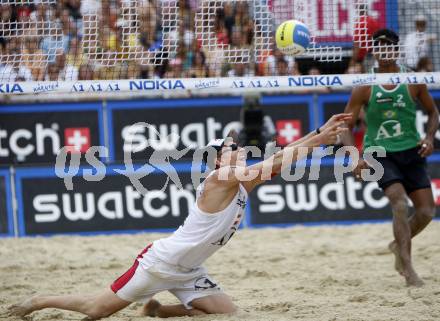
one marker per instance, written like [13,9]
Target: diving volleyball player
[174,263]
[391,124]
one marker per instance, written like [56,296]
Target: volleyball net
[202,46]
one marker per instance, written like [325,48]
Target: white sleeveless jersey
[202,234]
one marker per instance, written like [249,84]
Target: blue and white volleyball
[292,37]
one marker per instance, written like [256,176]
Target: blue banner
[6,216]
[34,133]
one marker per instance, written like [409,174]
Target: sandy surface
[301,273]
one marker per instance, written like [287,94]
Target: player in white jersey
[174,263]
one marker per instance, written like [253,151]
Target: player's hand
[332,134]
[426,147]
[336,119]
[357,172]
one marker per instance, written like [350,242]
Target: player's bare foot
[398,263]
[411,277]
[414,280]
[22,309]
[150,309]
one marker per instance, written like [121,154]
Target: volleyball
[292,37]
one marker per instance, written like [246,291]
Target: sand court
[299,273]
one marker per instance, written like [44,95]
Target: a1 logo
[389,129]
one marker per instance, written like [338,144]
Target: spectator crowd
[76,40]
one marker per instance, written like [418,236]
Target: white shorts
[149,276]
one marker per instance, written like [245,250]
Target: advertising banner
[184,123]
[325,200]
[136,125]
[112,204]
[6,219]
[292,116]
[338,14]
[434,171]
[31,134]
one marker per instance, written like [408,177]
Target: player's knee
[224,308]
[98,311]
[426,213]
[216,306]
[399,207]
[398,200]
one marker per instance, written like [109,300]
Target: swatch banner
[185,124]
[291,116]
[113,204]
[334,104]
[32,134]
[324,200]
[110,205]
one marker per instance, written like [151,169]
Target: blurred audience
[355,68]
[417,44]
[12,69]
[425,65]
[365,27]
[115,39]
[33,57]
[282,67]
[85,72]
[240,70]
[270,65]
[198,68]
[58,70]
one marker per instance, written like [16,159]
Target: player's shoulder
[417,86]
[361,93]
[222,176]
[416,89]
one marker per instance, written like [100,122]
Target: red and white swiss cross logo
[77,140]
[288,131]
[435,184]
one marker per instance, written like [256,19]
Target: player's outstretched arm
[345,117]
[265,170]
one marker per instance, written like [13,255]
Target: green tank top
[391,119]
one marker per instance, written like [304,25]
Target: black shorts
[406,167]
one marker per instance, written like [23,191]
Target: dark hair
[202,55]
[386,35]
[282,60]
[218,148]
[206,152]
[3,43]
